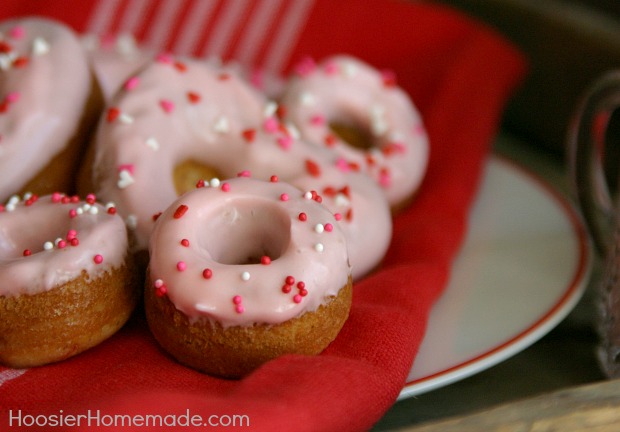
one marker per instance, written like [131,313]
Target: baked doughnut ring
[245,272]
[181,121]
[362,115]
[49,102]
[66,280]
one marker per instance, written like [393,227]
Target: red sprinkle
[156,216]
[113,114]
[27,252]
[328,227]
[180,211]
[290,280]
[207,273]
[303,217]
[225,187]
[193,97]
[74,241]
[313,168]
[185,242]
[98,259]
[286,289]
[265,260]
[112,210]
[249,135]
[274,179]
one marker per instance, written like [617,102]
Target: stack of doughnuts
[246,215]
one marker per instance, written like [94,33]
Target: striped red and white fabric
[460,75]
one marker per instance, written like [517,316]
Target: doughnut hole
[247,230]
[20,235]
[189,172]
[354,135]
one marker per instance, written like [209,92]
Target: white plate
[523,266]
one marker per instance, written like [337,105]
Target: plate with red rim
[524,265]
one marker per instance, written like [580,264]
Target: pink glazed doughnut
[362,115]
[48,104]
[180,121]
[66,280]
[245,272]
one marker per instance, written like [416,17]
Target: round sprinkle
[237,299]
[303,217]
[98,259]
[181,266]
[297,298]
[319,247]
[239,309]
[284,197]
[185,242]
[225,187]
[338,216]
[274,179]
[286,288]
[27,252]
[328,227]
[71,234]
[290,280]
[319,228]
[207,273]
[265,260]
[245,276]
[48,245]
[301,285]
[158,283]
[74,241]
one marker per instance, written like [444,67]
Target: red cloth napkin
[460,75]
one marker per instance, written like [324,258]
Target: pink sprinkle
[56,197]
[239,309]
[418,129]
[158,283]
[61,244]
[181,266]
[98,259]
[305,67]
[166,105]
[72,213]
[257,79]
[297,298]
[17,32]
[244,173]
[338,216]
[317,120]
[270,125]
[328,227]
[285,142]
[74,241]
[165,58]
[132,83]
[284,197]
[331,68]
[237,299]
[126,167]
[71,234]
[207,273]
[13,97]
[343,165]
[384,179]
[225,187]
[90,198]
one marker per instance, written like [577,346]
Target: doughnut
[113,60]
[66,279]
[244,272]
[180,121]
[362,115]
[48,104]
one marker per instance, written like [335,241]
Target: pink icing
[182,109]
[200,246]
[114,60]
[48,241]
[44,85]
[344,89]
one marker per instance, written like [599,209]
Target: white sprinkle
[319,247]
[79,211]
[13,200]
[378,125]
[158,283]
[152,143]
[48,245]
[131,221]
[124,179]
[293,131]
[126,45]
[27,196]
[110,205]
[6,60]
[93,210]
[307,99]
[221,125]
[349,70]
[319,228]
[10,207]
[86,207]
[125,119]
[204,308]
[214,182]
[270,109]
[245,276]
[58,240]
[308,195]
[342,200]
[40,46]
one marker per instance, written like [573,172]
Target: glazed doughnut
[179,121]
[113,60]
[48,105]
[362,115]
[245,272]
[66,280]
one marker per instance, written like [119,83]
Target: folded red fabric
[460,75]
